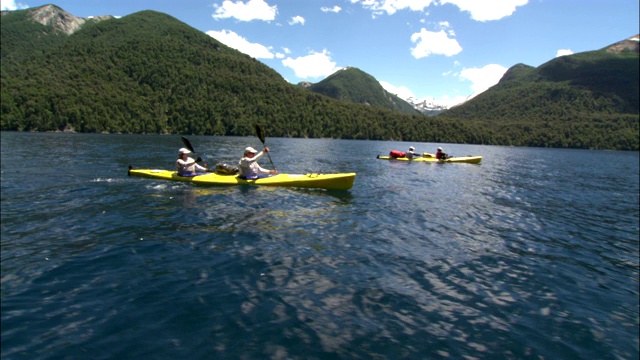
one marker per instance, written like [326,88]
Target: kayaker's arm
[266,171]
[184,165]
[201,167]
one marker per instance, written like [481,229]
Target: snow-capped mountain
[427,106]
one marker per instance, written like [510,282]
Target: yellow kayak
[427,157]
[342,181]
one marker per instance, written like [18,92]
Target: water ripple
[532,254]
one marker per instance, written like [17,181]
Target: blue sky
[435,50]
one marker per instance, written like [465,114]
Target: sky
[439,51]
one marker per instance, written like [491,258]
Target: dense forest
[150,73]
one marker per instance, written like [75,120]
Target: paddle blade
[260,133]
[187,143]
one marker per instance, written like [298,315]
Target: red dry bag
[397,154]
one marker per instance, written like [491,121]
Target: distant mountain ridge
[432,107]
[428,107]
[59,20]
[604,81]
[355,85]
[631,44]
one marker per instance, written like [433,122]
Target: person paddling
[248,166]
[440,154]
[186,165]
[411,153]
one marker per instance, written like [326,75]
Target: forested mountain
[150,73]
[587,83]
[582,99]
[355,85]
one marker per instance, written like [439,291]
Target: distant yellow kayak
[343,181]
[427,157]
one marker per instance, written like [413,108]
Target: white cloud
[251,10]
[314,65]
[437,43]
[483,78]
[379,7]
[487,10]
[335,9]
[402,92]
[12,5]
[241,44]
[563,52]
[480,10]
[296,20]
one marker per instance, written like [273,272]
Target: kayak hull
[342,181]
[432,158]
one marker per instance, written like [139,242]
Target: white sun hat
[250,150]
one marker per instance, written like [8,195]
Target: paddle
[187,143]
[260,132]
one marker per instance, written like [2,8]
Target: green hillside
[589,83]
[23,38]
[150,73]
[355,85]
[586,100]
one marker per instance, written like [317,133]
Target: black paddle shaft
[260,133]
[187,143]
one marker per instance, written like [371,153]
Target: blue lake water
[532,254]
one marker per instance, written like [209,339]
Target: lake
[531,254]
